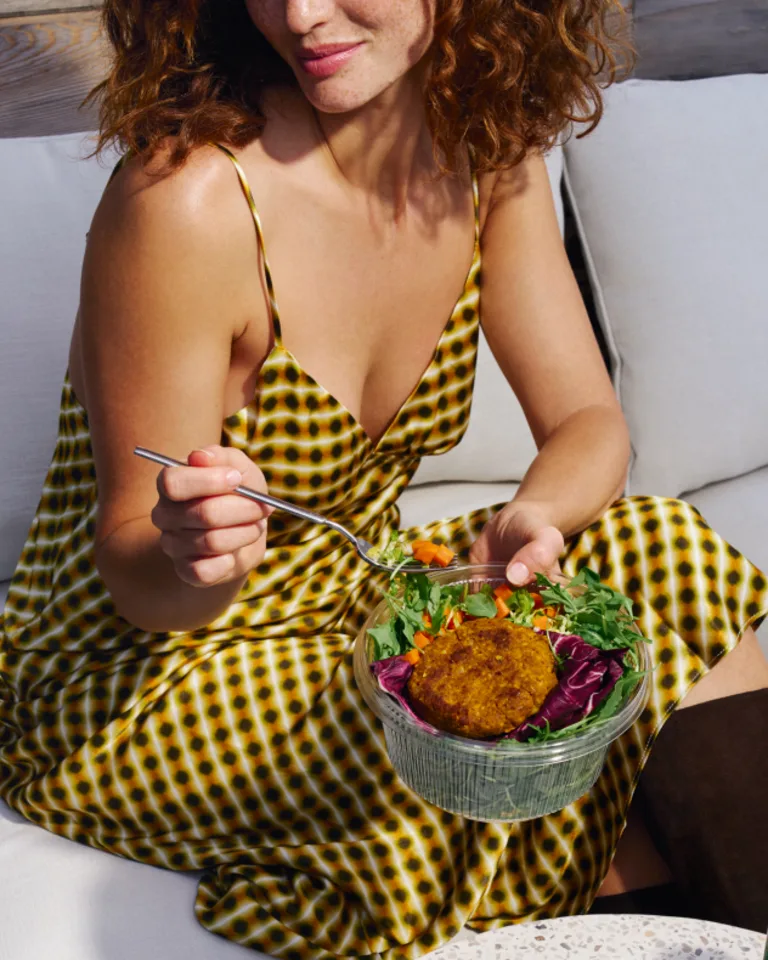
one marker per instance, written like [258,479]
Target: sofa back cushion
[47,196]
[670,194]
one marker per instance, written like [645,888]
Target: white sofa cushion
[496,421]
[65,901]
[671,197]
[47,198]
[442,501]
[738,510]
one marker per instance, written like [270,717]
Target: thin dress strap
[475,201]
[262,246]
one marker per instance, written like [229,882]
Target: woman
[177,683]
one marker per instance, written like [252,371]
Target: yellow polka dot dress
[245,750]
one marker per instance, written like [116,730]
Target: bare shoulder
[198,202]
[528,181]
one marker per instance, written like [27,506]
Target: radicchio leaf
[586,678]
[393,675]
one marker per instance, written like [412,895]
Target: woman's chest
[362,310]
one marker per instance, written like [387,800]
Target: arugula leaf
[435,598]
[521,602]
[385,640]
[479,605]
[624,686]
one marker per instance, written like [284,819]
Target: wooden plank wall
[685,39]
[52,53]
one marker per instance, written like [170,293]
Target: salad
[588,625]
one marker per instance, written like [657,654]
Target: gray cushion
[670,194]
[423,504]
[47,198]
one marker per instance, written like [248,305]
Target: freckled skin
[395,35]
[483,679]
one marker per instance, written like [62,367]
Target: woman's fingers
[210,474]
[210,533]
[207,513]
[480,551]
[179,484]
[214,542]
[206,571]
[540,555]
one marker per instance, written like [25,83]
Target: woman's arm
[540,334]
[159,313]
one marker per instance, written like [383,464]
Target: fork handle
[256,495]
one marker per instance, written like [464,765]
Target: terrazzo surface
[631,937]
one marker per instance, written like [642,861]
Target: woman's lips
[325,61]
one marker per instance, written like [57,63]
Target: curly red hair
[505,77]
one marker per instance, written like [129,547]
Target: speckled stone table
[615,937]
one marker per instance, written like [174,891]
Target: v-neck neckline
[373,444]
[278,345]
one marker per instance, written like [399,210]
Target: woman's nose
[303,16]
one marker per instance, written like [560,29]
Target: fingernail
[234,477]
[518,573]
[205,453]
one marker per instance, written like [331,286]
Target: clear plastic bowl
[504,781]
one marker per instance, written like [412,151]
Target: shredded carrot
[502,610]
[422,639]
[503,591]
[412,657]
[455,619]
[443,556]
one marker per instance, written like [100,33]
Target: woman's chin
[340,95]
[336,102]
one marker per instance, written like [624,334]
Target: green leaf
[437,617]
[480,605]
[385,640]
[616,698]
[521,602]
[435,599]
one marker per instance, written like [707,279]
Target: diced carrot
[502,610]
[541,621]
[537,601]
[503,591]
[412,657]
[422,639]
[443,556]
[426,619]
[425,554]
[417,544]
[550,612]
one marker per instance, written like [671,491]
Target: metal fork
[363,547]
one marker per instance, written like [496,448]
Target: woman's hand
[522,536]
[212,535]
